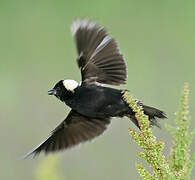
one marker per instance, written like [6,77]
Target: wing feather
[75,129]
[99,57]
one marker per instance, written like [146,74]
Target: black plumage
[92,104]
[99,57]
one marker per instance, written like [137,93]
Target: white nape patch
[70,84]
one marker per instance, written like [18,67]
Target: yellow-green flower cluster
[179,159]
[147,141]
[180,163]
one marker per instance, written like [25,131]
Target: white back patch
[70,85]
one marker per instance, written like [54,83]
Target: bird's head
[62,88]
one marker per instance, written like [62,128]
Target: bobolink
[92,104]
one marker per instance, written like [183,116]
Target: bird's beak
[52,92]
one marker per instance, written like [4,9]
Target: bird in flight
[92,104]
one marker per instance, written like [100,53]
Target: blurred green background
[37,49]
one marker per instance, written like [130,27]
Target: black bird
[92,105]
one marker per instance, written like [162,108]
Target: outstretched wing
[75,129]
[99,57]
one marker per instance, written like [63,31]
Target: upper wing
[99,57]
[75,129]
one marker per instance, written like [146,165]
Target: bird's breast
[97,102]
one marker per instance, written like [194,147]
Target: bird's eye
[58,89]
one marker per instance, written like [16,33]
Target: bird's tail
[152,114]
